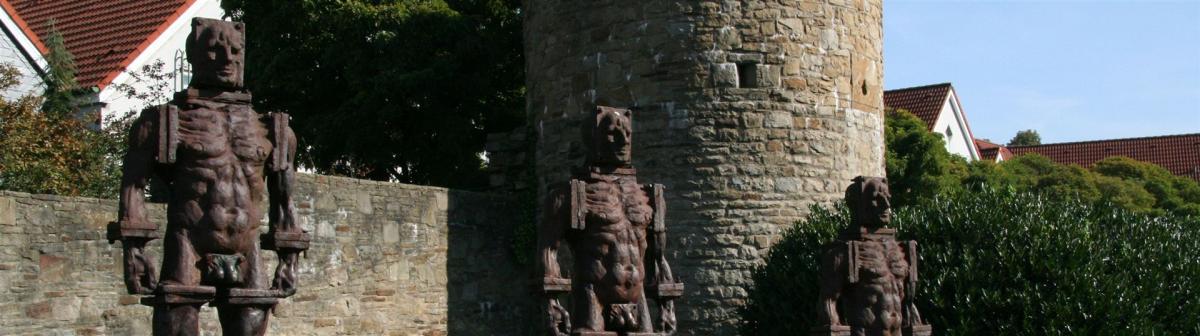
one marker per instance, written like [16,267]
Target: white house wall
[11,54]
[959,142]
[163,49]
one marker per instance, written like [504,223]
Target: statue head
[216,50]
[870,202]
[609,137]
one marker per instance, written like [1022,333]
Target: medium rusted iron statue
[868,276]
[218,158]
[616,231]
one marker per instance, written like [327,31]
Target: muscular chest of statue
[221,152]
[881,262]
[616,205]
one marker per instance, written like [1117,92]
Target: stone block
[391,232]
[8,211]
[724,75]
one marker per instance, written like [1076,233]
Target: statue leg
[179,260]
[645,323]
[588,312]
[177,319]
[244,320]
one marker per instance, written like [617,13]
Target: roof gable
[1179,154]
[923,101]
[992,152]
[103,35]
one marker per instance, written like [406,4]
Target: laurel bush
[1009,263]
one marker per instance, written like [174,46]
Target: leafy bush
[56,153]
[1013,263]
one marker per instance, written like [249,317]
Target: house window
[949,133]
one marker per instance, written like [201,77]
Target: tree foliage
[59,97]
[1026,138]
[1119,181]
[55,153]
[919,167]
[918,164]
[400,90]
[1005,262]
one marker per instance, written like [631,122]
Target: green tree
[53,153]
[1026,138]
[401,90]
[1169,192]
[918,164]
[59,97]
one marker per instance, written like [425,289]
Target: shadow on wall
[489,292]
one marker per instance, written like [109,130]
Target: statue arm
[665,288]
[284,236]
[132,227]
[912,317]
[136,169]
[555,219]
[280,182]
[834,273]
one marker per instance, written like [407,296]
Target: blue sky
[1072,70]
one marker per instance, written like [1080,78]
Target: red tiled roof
[923,101]
[989,151]
[1179,154]
[103,35]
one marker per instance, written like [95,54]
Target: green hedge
[1003,262]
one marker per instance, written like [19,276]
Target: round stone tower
[748,111]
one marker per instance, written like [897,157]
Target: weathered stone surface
[737,161]
[418,261]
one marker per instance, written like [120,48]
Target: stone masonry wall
[748,112]
[387,259]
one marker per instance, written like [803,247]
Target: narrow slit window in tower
[747,75]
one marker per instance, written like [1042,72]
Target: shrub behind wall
[1002,262]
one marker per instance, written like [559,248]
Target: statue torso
[611,249]
[882,272]
[217,179]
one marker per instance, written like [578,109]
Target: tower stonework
[748,112]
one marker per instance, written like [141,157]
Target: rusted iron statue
[868,278]
[616,231]
[218,158]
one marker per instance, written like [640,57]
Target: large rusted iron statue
[218,158]
[868,278]
[616,231]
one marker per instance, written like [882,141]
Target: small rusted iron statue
[868,276]
[616,231]
[218,158]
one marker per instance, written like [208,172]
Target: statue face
[612,138]
[875,207]
[216,50]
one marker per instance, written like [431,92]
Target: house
[110,40]
[1179,154]
[989,151]
[938,106]
[23,53]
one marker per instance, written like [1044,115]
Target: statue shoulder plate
[658,202]
[277,124]
[166,117]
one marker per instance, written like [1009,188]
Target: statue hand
[285,273]
[139,269]
[666,317]
[559,319]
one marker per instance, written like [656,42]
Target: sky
[1071,70]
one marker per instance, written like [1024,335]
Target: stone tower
[748,111]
